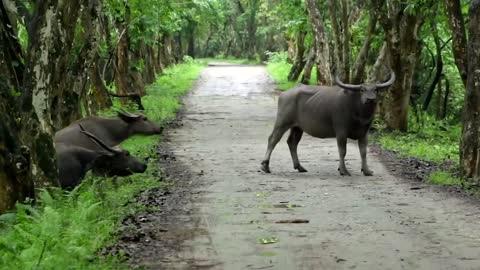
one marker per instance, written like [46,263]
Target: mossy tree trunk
[49,50]
[403,49]
[470,146]
[320,42]
[459,36]
[16,181]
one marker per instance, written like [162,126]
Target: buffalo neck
[118,130]
[360,110]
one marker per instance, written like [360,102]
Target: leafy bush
[277,57]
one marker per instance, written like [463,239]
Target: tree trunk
[337,48]
[47,102]
[439,101]
[149,60]
[324,76]
[159,58]
[358,70]
[307,71]
[190,32]
[346,42]
[459,37]
[122,73]
[403,50]
[445,98]
[299,58]
[470,145]
[439,68]
[97,99]
[252,28]
[46,67]
[16,181]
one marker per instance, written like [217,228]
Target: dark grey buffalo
[75,161]
[111,131]
[341,112]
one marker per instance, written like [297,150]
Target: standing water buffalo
[342,111]
[75,161]
[110,131]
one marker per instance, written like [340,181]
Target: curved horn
[96,140]
[127,114]
[352,87]
[387,83]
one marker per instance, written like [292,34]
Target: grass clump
[431,140]
[65,230]
[444,179]
[435,141]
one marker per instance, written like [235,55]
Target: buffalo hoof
[344,172]
[367,172]
[300,168]
[265,167]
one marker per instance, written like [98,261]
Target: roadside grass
[67,230]
[434,141]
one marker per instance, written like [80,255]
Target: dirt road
[221,206]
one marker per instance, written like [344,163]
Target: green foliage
[444,179]
[436,141]
[278,67]
[65,230]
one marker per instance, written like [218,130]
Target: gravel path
[225,206]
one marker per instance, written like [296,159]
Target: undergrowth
[278,67]
[66,230]
[436,141]
[432,140]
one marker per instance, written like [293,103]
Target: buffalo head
[139,123]
[368,91]
[114,160]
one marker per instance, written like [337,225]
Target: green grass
[279,71]
[436,142]
[66,230]
[444,179]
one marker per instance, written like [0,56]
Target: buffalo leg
[292,141]
[342,151]
[273,139]
[362,146]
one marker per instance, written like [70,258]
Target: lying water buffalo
[110,131]
[75,161]
[342,111]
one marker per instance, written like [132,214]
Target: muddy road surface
[223,213]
